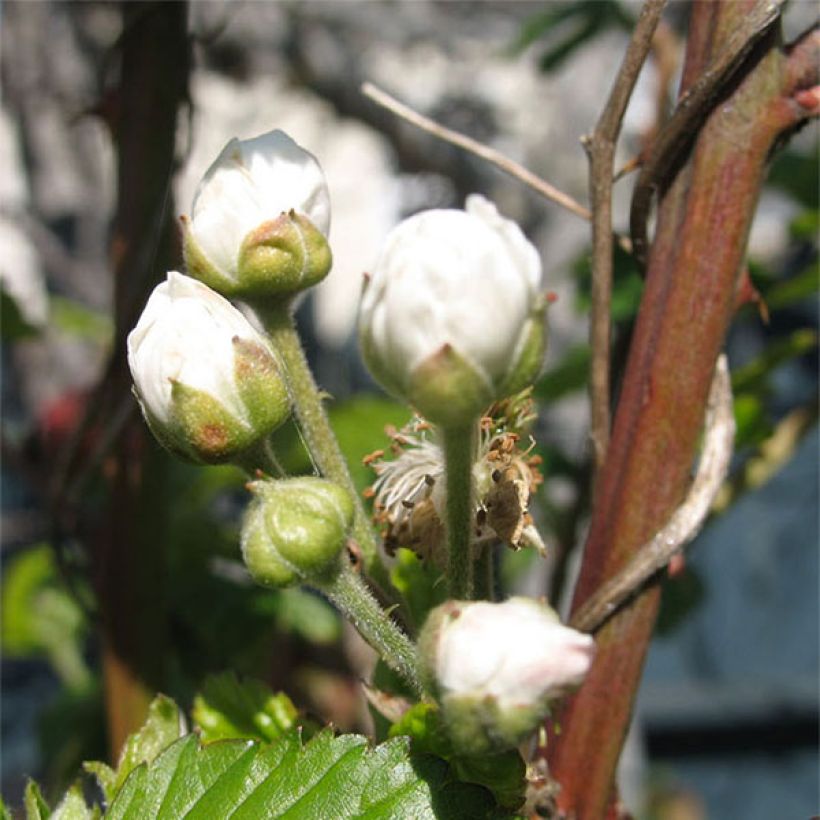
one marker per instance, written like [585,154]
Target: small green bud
[295,530]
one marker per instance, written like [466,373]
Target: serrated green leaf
[503,774]
[329,777]
[163,726]
[34,803]
[73,807]
[227,709]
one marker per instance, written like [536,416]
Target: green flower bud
[295,530]
[496,667]
[207,381]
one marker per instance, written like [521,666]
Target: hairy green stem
[313,421]
[350,594]
[260,456]
[459,451]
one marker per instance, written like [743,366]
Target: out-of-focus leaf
[72,806]
[567,26]
[163,726]
[568,376]
[806,225]
[359,426]
[681,596]
[752,424]
[75,319]
[797,175]
[308,615]
[39,616]
[787,292]
[333,777]
[421,585]
[227,708]
[752,376]
[503,774]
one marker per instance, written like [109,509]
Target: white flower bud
[207,381]
[495,668]
[260,219]
[452,318]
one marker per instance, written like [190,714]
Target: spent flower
[260,220]
[495,667]
[452,318]
[208,383]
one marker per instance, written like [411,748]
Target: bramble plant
[484,705]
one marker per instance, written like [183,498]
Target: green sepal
[385,376]
[503,773]
[448,390]
[204,429]
[261,558]
[200,267]
[261,386]
[480,725]
[282,257]
[529,355]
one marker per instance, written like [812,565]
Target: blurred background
[120,570]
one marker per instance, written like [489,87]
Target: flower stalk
[277,318]
[459,452]
[350,594]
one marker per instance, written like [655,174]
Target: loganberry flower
[260,219]
[452,318]
[206,380]
[496,667]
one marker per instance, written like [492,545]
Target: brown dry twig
[688,518]
[492,156]
[600,148]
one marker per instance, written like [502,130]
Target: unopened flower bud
[206,380]
[295,530]
[259,220]
[495,668]
[452,318]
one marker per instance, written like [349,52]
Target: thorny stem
[459,451]
[321,441]
[350,594]
[600,147]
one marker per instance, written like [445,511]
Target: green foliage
[503,774]
[75,319]
[568,376]
[13,325]
[569,25]
[163,726]
[228,708]
[420,584]
[40,617]
[71,807]
[330,776]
